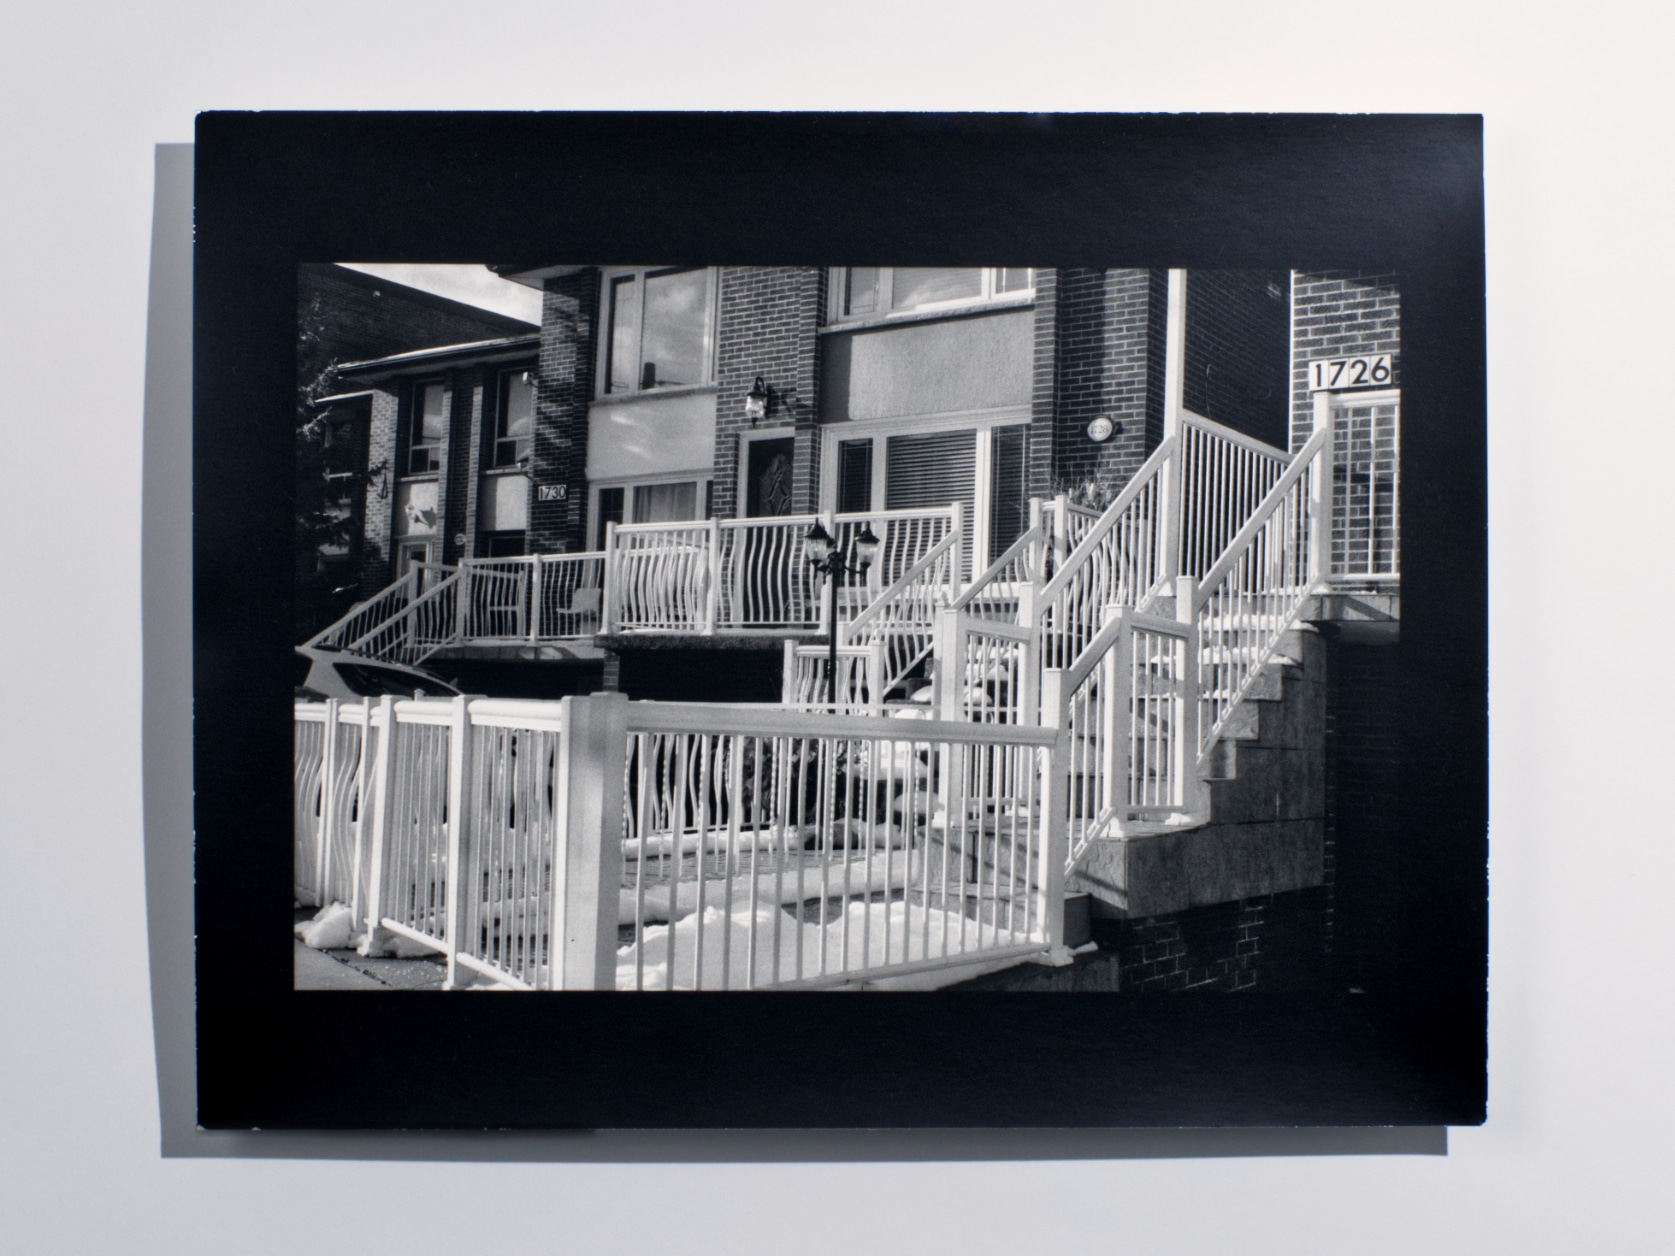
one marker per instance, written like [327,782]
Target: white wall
[1575,1155]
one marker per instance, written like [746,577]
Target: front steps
[1266,782]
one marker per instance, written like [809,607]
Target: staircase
[1159,634]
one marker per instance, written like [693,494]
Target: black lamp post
[827,557]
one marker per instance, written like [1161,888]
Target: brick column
[563,392]
[767,325]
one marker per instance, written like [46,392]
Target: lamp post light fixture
[756,401]
[827,557]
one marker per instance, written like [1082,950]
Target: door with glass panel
[764,576]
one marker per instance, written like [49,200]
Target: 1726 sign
[1335,373]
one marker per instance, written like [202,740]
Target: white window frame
[880,430]
[412,419]
[629,483]
[501,393]
[987,298]
[601,374]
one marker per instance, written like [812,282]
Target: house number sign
[551,492]
[1338,373]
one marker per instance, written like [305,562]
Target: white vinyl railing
[861,671]
[1129,709]
[749,575]
[1254,593]
[902,618]
[987,670]
[594,843]
[1224,477]
[774,849]
[1118,563]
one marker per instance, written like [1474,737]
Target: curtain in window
[914,286]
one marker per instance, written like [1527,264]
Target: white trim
[702,477]
[602,350]
[987,298]
[983,422]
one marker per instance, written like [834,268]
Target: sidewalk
[345,970]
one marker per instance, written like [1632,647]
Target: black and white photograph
[846,627]
[933,564]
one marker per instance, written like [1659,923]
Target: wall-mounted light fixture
[756,401]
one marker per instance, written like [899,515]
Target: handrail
[430,595]
[1259,518]
[1233,436]
[886,597]
[1108,520]
[991,573]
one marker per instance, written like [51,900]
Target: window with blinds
[932,469]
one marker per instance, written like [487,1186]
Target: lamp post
[827,557]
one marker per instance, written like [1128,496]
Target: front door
[768,478]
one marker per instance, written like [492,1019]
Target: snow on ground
[728,944]
[772,888]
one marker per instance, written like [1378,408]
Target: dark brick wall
[563,392]
[356,317]
[767,326]
[1235,354]
[1339,314]
[1106,364]
[381,448]
[462,461]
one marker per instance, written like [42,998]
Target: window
[515,419]
[659,330]
[867,292]
[673,501]
[426,425]
[982,468]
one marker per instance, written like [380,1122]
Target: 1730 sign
[1332,373]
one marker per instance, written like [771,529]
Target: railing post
[950,666]
[459,822]
[462,599]
[536,573]
[608,584]
[956,525]
[875,676]
[373,943]
[1320,493]
[362,824]
[328,772]
[1118,715]
[1171,506]
[587,867]
[1055,849]
[1191,709]
[712,582]
[1061,530]
[788,683]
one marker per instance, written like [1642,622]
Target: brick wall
[767,326]
[346,316]
[1107,365]
[1339,314]
[462,462]
[381,448]
[563,392]
[1235,353]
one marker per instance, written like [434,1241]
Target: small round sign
[1100,429]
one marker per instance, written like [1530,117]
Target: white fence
[749,575]
[594,843]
